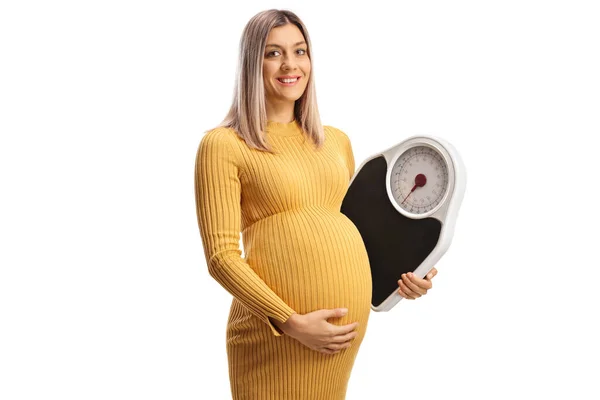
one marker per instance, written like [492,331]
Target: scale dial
[419,180]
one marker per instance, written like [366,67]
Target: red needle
[420,181]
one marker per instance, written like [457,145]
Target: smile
[288,82]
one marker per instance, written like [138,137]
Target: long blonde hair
[247,114]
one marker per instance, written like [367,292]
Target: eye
[277,51]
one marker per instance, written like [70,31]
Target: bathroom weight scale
[404,202]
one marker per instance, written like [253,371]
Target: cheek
[307,71]
[267,71]
[306,78]
[267,79]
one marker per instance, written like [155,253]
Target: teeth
[288,80]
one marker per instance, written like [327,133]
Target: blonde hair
[247,114]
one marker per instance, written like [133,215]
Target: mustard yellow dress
[301,254]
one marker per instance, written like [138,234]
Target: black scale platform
[395,243]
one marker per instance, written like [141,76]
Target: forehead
[287,35]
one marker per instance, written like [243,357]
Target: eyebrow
[276,45]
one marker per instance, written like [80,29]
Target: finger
[332,348]
[414,288]
[432,273]
[345,338]
[408,294]
[338,346]
[420,283]
[404,291]
[417,284]
[344,329]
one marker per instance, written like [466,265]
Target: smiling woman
[273,172]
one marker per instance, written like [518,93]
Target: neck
[280,112]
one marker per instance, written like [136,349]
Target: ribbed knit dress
[301,254]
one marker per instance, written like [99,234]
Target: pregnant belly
[313,259]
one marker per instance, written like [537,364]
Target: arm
[218,196]
[347,151]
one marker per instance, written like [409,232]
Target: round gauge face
[419,179]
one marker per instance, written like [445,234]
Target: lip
[288,77]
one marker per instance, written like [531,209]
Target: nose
[288,63]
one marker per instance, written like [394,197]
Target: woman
[302,293]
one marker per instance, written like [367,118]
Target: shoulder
[215,146]
[340,136]
[335,130]
[219,138]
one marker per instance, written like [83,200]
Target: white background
[104,293]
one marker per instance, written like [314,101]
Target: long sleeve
[347,146]
[218,208]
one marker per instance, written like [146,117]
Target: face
[285,54]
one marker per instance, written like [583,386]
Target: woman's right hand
[313,330]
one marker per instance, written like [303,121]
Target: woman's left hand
[412,287]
